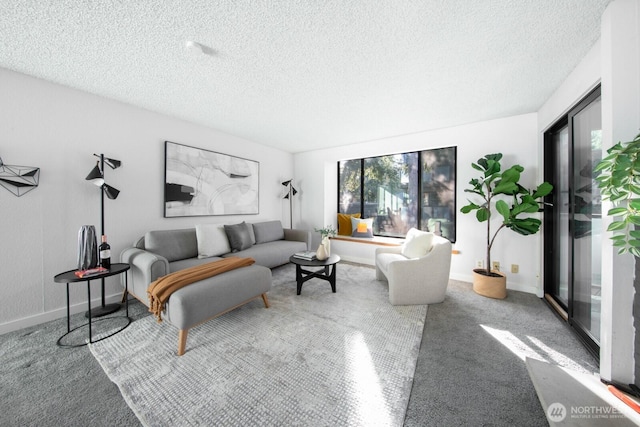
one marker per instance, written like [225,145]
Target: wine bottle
[105,253]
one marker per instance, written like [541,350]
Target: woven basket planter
[490,286]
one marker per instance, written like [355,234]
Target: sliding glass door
[573,224]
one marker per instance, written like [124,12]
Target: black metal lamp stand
[112,193]
[290,193]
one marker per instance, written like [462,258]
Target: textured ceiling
[303,74]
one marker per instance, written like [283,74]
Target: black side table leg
[89,312]
[126,292]
[68,311]
[332,278]
[299,278]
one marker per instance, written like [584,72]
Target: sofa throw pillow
[174,245]
[362,227]
[212,240]
[268,231]
[344,223]
[417,243]
[252,234]
[238,235]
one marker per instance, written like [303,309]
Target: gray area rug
[317,359]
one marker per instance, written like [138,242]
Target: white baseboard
[58,313]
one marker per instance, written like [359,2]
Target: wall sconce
[19,179]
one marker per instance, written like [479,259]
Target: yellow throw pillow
[344,223]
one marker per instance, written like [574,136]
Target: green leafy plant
[619,182]
[327,231]
[514,204]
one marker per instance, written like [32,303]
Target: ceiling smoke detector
[194,48]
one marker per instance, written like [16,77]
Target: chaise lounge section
[162,252]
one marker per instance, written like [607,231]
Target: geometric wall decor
[19,179]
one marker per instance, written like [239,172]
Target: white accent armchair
[418,271]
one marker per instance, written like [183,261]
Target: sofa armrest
[298,236]
[145,268]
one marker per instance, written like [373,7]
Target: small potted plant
[324,250]
[502,192]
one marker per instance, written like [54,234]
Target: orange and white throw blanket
[160,290]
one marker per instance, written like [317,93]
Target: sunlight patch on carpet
[367,397]
[524,351]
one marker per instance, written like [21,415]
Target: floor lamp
[96,176]
[290,193]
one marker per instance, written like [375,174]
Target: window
[350,187]
[401,191]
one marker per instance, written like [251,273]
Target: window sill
[376,240]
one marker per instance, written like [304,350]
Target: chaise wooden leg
[266,300]
[182,341]
[124,296]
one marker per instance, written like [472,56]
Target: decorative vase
[87,247]
[494,286]
[321,253]
[327,245]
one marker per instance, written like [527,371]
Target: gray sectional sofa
[161,252]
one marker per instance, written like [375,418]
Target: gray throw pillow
[268,231]
[239,237]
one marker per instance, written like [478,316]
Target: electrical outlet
[479,264]
[495,265]
[515,268]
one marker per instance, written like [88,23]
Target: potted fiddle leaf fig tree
[501,192]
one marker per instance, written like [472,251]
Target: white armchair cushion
[417,243]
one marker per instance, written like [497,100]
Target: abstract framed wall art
[200,182]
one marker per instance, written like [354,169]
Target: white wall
[515,137]
[58,129]
[582,80]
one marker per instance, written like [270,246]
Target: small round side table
[70,277]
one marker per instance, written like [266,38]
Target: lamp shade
[111,192]
[95,176]
[112,163]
